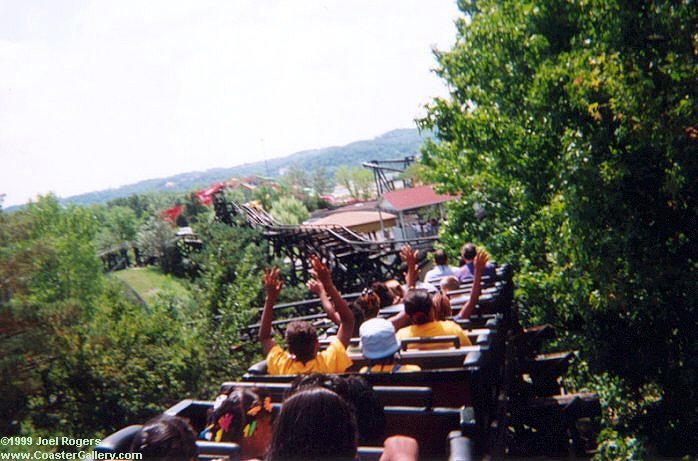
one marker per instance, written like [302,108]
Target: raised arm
[316,287]
[346,318]
[479,265]
[272,288]
[409,257]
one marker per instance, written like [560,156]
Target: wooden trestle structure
[355,261]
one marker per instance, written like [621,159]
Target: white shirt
[439,272]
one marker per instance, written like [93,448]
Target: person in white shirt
[441,268]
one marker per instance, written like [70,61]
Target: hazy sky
[97,94]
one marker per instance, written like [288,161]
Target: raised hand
[315,287]
[481,258]
[320,271]
[272,282]
[409,257]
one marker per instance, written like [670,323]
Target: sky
[98,94]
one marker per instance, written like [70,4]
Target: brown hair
[418,304]
[370,304]
[468,251]
[385,295]
[440,258]
[301,338]
[442,306]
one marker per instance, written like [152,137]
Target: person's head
[314,424]
[378,339]
[165,438]
[440,258]
[442,306]
[396,288]
[468,252]
[449,283]
[301,339]
[418,305]
[385,295]
[242,417]
[358,313]
[356,391]
[369,302]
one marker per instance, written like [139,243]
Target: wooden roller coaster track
[354,260]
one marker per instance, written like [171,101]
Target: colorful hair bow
[249,428]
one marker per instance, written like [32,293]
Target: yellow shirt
[334,359]
[389,368]
[431,329]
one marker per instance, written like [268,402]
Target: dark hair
[468,251]
[370,417]
[314,424]
[301,338]
[165,438]
[440,258]
[370,304]
[238,404]
[385,294]
[358,313]
[418,303]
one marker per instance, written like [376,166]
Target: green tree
[50,281]
[289,210]
[321,182]
[75,354]
[265,195]
[570,132]
[117,224]
[230,285]
[356,180]
[295,177]
[154,238]
[193,208]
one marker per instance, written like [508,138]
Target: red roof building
[412,199]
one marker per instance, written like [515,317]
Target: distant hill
[395,144]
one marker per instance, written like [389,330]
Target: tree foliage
[289,210]
[74,353]
[356,180]
[571,132]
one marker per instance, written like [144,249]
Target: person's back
[419,307]
[303,354]
[467,271]
[441,268]
[379,345]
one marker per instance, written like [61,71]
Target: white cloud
[106,93]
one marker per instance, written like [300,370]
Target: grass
[147,282]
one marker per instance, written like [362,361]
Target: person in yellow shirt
[301,338]
[380,347]
[420,309]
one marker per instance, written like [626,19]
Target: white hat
[378,339]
